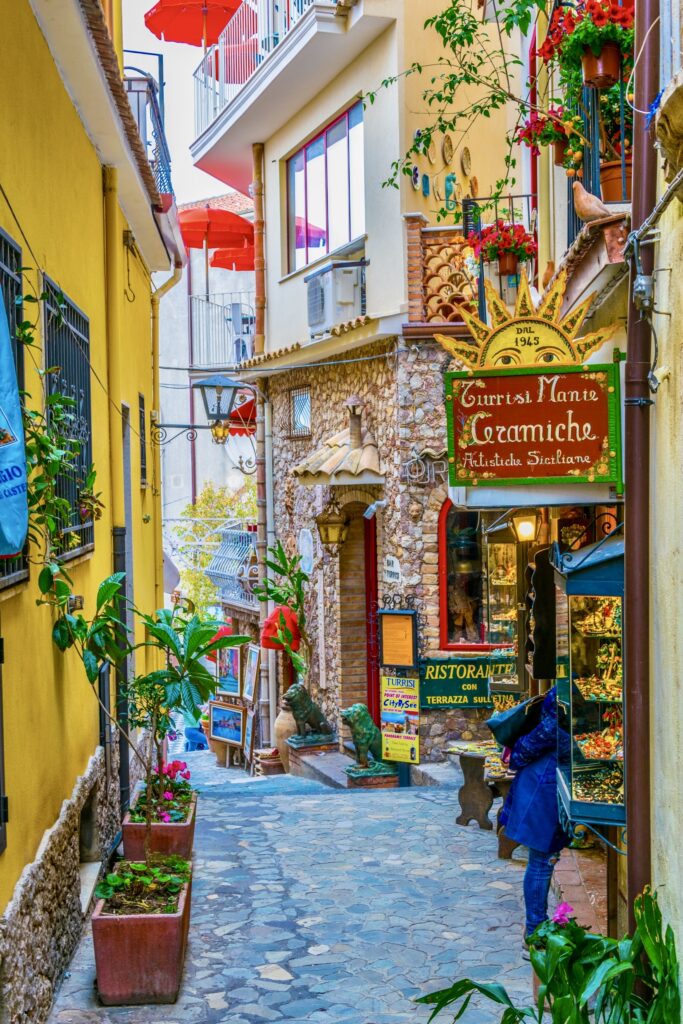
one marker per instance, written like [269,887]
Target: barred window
[300,412]
[12,570]
[142,429]
[67,348]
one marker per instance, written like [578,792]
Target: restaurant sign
[529,425]
[462,682]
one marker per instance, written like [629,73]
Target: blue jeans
[537,878]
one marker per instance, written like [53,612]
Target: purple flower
[562,914]
[169,796]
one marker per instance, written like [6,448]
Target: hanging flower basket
[507,263]
[601,71]
[510,244]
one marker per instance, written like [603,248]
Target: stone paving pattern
[313,905]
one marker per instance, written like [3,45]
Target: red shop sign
[531,425]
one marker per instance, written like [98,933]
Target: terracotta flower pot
[167,837]
[611,182]
[601,72]
[139,958]
[559,151]
[507,264]
[285,726]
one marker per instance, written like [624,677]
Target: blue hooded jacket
[531,815]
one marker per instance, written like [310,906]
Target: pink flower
[186,775]
[165,817]
[562,914]
[168,795]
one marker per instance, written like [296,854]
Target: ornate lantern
[333,525]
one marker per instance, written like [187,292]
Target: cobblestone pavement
[313,905]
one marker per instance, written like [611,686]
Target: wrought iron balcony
[234,567]
[145,98]
[222,329]
[258,27]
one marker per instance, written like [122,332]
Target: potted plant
[141,919]
[547,128]
[596,36]
[586,978]
[616,140]
[510,244]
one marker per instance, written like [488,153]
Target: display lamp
[219,394]
[525,526]
[333,526]
[220,431]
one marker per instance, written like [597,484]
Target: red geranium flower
[600,19]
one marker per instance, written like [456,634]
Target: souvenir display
[502,593]
[590,684]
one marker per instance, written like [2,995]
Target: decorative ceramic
[285,726]
[466,161]
[447,149]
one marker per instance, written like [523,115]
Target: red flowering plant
[500,238]
[588,26]
[172,796]
[541,129]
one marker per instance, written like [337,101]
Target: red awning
[243,419]
[195,22]
[205,227]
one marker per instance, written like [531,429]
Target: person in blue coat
[531,812]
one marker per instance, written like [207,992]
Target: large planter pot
[285,726]
[507,264]
[601,72]
[559,151]
[172,837]
[611,183]
[139,958]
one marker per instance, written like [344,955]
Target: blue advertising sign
[13,500]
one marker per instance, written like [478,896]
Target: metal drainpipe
[259,250]
[262,545]
[270,535]
[637,464]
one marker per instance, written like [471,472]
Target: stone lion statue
[305,711]
[364,733]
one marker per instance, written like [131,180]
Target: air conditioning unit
[336,294]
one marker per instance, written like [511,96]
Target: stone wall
[403,393]
[43,921]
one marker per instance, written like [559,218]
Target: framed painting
[226,723]
[251,672]
[249,732]
[229,671]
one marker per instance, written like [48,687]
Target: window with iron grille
[67,347]
[142,427]
[12,570]
[300,412]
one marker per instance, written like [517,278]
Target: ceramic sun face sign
[530,336]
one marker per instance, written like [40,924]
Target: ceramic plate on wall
[447,149]
[466,161]
[431,152]
[474,187]
[417,184]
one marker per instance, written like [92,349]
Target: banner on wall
[400,717]
[13,498]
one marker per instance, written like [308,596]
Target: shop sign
[462,682]
[531,425]
[400,717]
[392,570]
[398,638]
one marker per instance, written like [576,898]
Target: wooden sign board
[398,638]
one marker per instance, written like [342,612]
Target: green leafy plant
[588,26]
[287,586]
[586,978]
[149,888]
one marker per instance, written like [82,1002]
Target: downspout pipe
[270,536]
[637,470]
[156,297]
[259,250]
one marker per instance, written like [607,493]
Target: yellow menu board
[400,717]
[398,638]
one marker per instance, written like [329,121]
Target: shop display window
[501,578]
[590,693]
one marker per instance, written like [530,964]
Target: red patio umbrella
[236,258]
[206,228]
[197,22]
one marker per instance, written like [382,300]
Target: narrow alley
[318,905]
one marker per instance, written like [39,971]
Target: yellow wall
[53,179]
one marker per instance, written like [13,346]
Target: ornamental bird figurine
[588,207]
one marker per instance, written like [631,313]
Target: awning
[243,419]
[338,464]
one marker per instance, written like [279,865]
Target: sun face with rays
[530,336]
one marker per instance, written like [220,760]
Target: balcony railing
[143,94]
[258,27]
[222,328]
[234,567]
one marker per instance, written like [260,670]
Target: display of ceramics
[431,151]
[466,161]
[474,187]
[415,177]
[447,149]
[425,185]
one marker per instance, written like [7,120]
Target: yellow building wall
[53,179]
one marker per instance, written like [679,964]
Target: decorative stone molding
[669,129]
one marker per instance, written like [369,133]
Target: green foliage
[144,888]
[589,979]
[287,586]
[198,527]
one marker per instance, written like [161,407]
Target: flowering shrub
[170,804]
[541,129]
[588,26]
[499,238]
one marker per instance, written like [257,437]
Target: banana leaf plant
[586,978]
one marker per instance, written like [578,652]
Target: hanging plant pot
[611,182]
[601,72]
[507,263]
[559,152]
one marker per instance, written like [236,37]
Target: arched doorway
[359,668]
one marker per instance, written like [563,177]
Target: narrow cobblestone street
[324,906]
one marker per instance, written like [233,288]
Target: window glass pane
[466,618]
[356,174]
[338,184]
[296,206]
[316,199]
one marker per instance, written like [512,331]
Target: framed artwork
[398,638]
[249,735]
[229,666]
[226,723]
[251,671]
